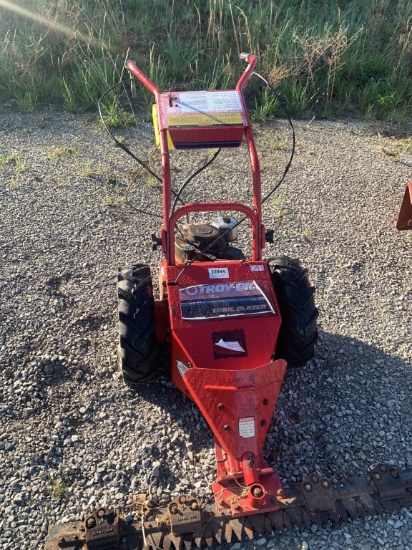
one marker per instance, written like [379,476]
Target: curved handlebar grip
[244,79]
[145,80]
[245,56]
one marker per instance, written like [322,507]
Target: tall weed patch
[325,57]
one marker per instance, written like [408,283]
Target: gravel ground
[73,435]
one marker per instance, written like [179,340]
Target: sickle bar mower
[232,326]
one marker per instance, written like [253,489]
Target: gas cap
[227,226]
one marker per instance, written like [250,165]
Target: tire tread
[298,333]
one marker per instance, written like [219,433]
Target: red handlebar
[145,80]
[243,80]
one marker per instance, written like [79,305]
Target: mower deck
[185,522]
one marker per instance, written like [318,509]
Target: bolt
[307,487]
[314,478]
[90,522]
[325,484]
[220,406]
[226,428]
[263,423]
[194,506]
[382,468]
[377,476]
[394,473]
[173,509]
[266,401]
[257,491]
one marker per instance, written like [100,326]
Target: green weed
[276,203]
[67,94]
[16,161]
[324,57]
[114,195]
[8,159]
[57,152]
[58,489]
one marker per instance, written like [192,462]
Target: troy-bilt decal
[257,267]
[219,289]
[181,367]
[247,427]
[231,346]
[223,300]
[218,273]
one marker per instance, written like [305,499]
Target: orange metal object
[405,214]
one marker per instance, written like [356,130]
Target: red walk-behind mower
[232,326]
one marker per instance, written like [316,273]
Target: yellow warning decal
[156,129]
[209,119]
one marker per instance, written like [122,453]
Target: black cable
[286,170]
[126,195]
[177,196]
[119,143]
[292,154]
[126,149]
[142,163]
[198,171]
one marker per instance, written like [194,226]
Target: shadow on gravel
[346,410]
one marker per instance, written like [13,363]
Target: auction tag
[218,273]
[247,427]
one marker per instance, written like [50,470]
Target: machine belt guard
[186,522]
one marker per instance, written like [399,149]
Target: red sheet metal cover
[201,119]
[238,405]
[405,214]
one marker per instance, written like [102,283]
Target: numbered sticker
[257,267]
[218,273]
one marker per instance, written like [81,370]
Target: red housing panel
[405,214]
[237,405]
[203,119]
[193,340]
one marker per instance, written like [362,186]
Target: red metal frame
[405,213]
[169,223]
[236,393]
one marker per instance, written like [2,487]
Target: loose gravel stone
[74,437]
